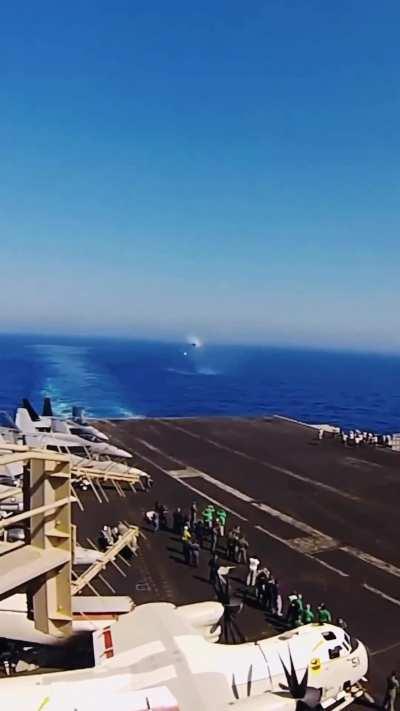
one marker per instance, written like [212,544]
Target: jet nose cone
[364,661]
[116,452]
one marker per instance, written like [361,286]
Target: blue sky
[221,168]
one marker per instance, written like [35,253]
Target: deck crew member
[308,615]
[186,536]
[214,538]
[323,614]
[193,514]
[195,553]
[261,587]
[199,531]
[213,565]
[208,515]
[392,688]
[252,573]
[243,545]
[221,520]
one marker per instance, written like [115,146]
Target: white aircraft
[64,442]
[163,658]
[91,614]
[47,422]
[109,467]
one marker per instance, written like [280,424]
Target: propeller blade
[234,687]
[217,624]
[249,680]
[238,634]
[296,688]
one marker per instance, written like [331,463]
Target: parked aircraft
[68,443]
[48,422]
[162,657]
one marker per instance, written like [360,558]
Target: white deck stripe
[272,535]
[293,547]
[385,649]
[192,488]
[269,465]
[394,600]
[372,560]
[303,527]
[327,565]
[300,525]
[290,520]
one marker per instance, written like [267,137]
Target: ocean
[121,378]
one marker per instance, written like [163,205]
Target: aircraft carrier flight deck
[321,516]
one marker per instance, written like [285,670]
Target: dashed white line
[269,465]
[327,565]
[295,523]
[289,543]
[300,525]
[385,649]
[192,488]
[394,600]
[285,518]
[372,560]
[272,535]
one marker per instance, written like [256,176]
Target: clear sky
[224,168]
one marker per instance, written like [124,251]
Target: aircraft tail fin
[27,405]
[47,407]
[24,422]
[78,414]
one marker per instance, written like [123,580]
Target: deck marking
[192,488]
[304,527]
[290,544]
[314,544]
[372,560]
[272,535]
[356,461]
[317,535]
[187,473]
[269,465]
[328,565]
[320,540]
[394,600]
[385,649]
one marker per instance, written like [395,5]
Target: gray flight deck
[323,517]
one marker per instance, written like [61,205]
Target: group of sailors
[355,438]
[198,531]
[206,530]
[109,535]
[260,581]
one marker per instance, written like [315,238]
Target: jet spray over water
[193,342]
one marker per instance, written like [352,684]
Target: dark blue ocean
[120,378]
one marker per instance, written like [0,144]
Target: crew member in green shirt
[323,614]
[308,615]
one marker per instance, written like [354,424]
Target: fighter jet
[163,657]
[63,441]
[84,455]
[48,422]
[194,342]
